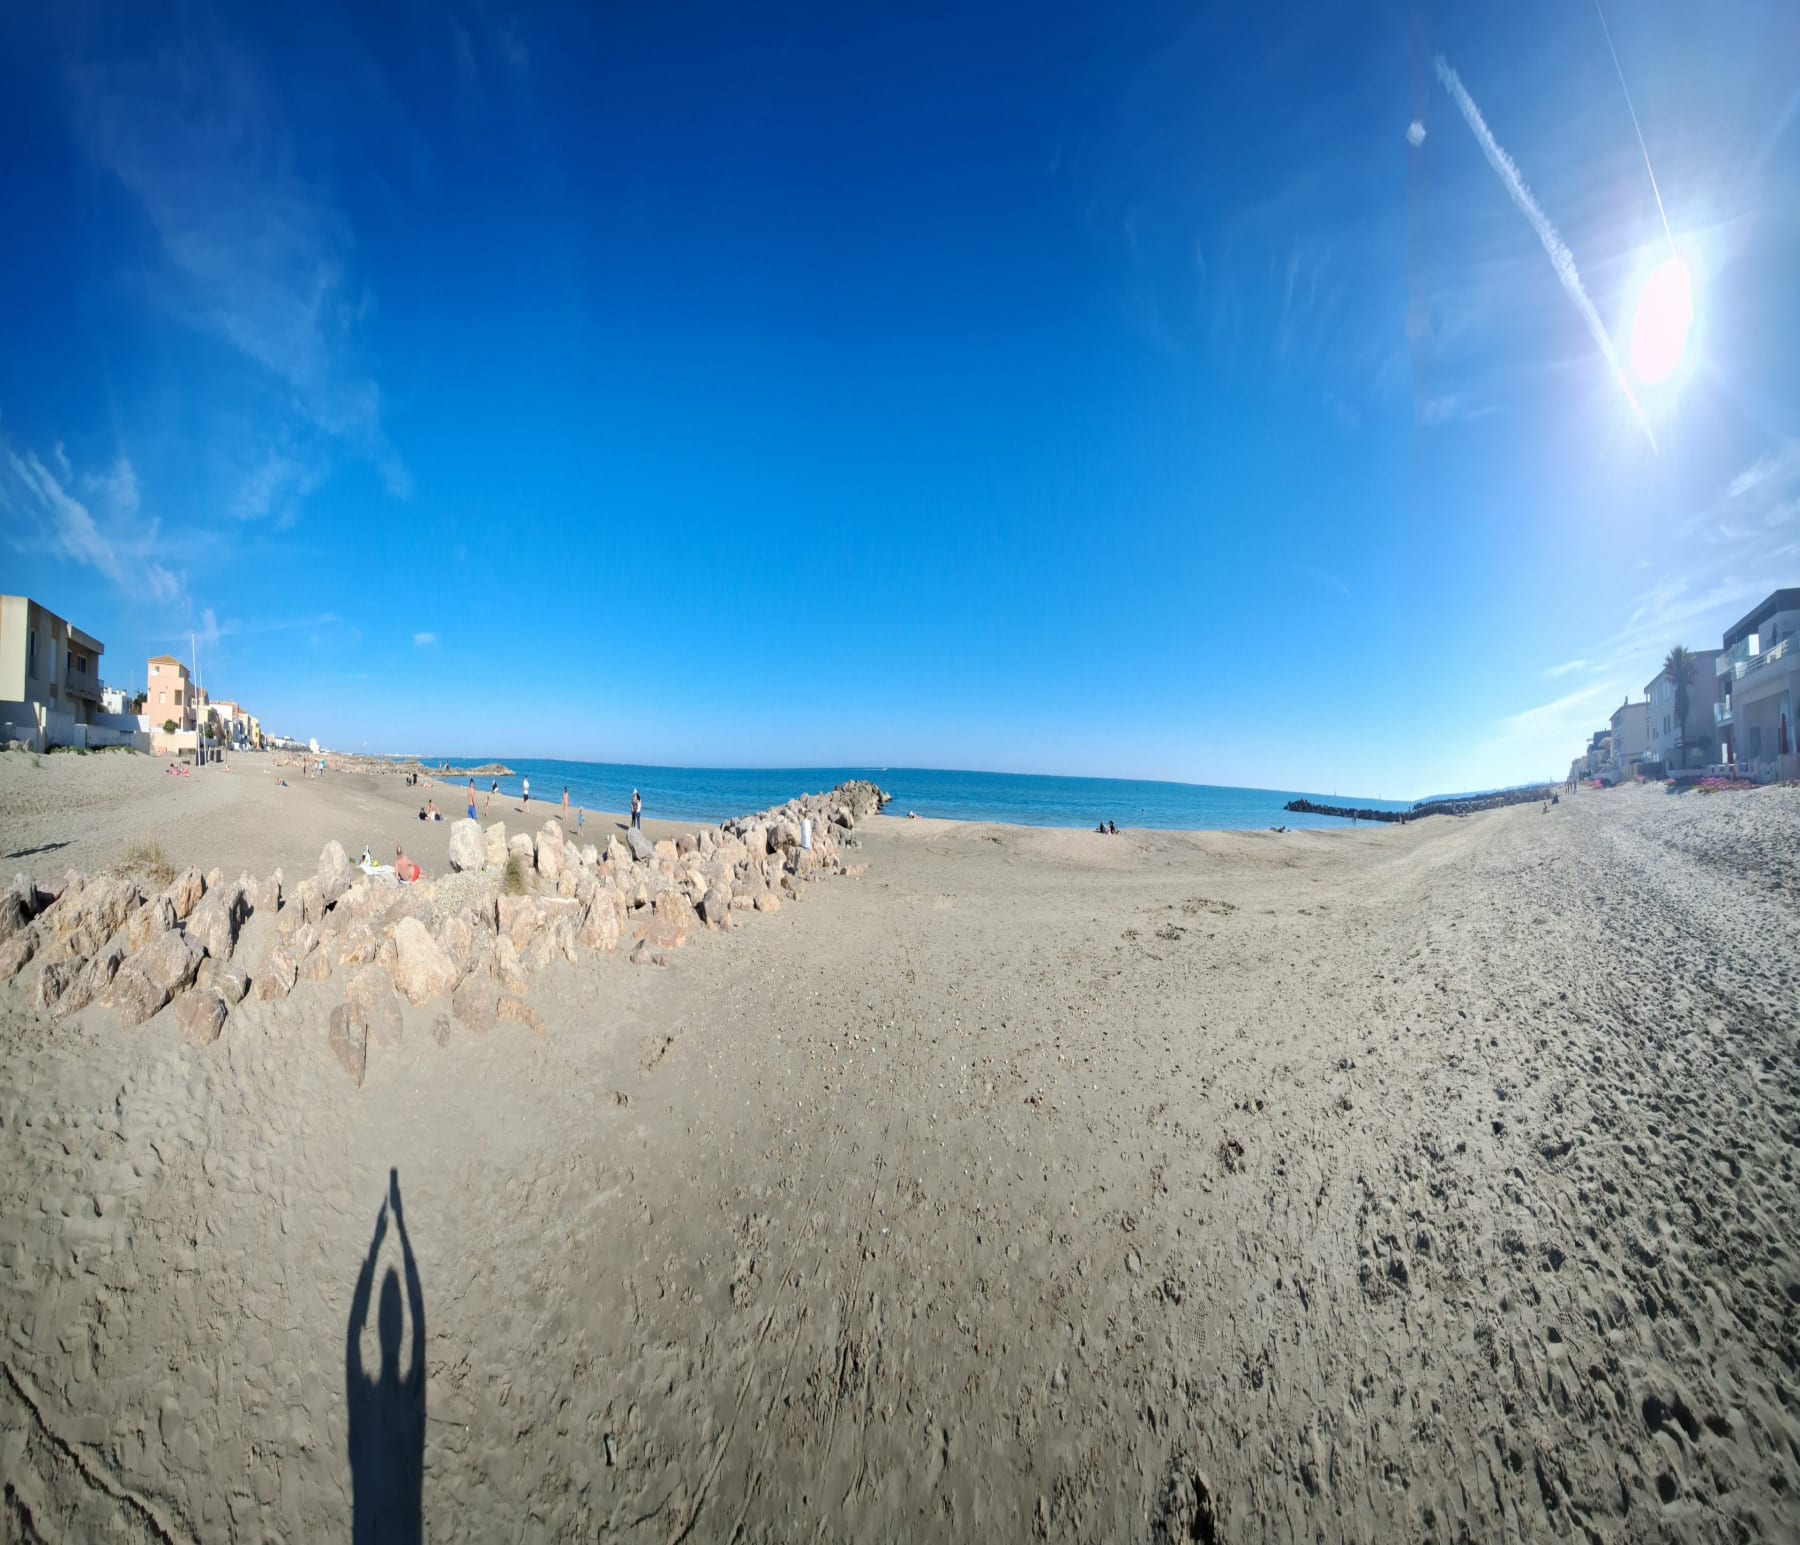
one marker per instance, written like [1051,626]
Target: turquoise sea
[715,793]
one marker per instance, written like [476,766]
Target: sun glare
[1665,313]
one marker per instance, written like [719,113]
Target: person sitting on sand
[422,815]
[1101,828]
[405,870]
[432,813]
[1112,829]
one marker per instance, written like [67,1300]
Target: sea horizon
[715,794]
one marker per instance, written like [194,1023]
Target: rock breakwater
[361,947]
[1428,806]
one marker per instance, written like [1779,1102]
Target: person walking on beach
[565,807]
[493,789]
[637,811]
[527,804]
[471,799]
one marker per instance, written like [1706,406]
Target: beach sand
[1432,1182]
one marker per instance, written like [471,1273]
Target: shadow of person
[387,1412]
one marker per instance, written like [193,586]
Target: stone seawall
[195,948]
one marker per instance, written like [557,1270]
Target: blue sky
[1107,390]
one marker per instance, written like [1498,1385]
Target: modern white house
[1758,671]
[50,692]
[1691,742]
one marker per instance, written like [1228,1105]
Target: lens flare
[1659,331]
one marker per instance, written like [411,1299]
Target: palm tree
[1678,667]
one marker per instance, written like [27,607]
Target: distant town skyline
[1274,400]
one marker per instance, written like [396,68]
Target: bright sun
[1659,331]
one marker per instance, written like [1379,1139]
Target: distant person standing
[471,799]
[637,811]
[527,804]
[565,807]
[493,789]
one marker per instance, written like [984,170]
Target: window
[162,697]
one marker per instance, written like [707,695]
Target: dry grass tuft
[145,859]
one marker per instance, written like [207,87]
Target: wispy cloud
[104,531]
[1321,577]
[1561,258]
[424,640]
[1450,408]
[255,255]
[1567,668]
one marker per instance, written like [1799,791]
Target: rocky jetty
[1428,806]
[509,906]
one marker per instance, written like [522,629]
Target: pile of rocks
[511,905]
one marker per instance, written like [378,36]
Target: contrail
[1625,91]
[1561,258]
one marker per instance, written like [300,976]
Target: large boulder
[550,851]
[170,960]
[15,912]
[91,982]
[334,871]
[50,980]
[518,919]
[214,923]
[228,982]
[200,1016]
[521,847]
[91,917]
[185,891]
[16,953]
[357,944]
[616,852]
[134,995]
[155,917]
[715,908]
[275,977]
[375,1005]
[467,850]
[493,845]
[600,928]
[422,969]
[642,848]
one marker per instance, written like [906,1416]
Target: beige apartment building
[168,692]
[49,673]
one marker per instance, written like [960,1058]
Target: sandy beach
[1428,1182]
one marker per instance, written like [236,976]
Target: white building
[1628,738]
[1692,742]
[1759,678]
[49,675]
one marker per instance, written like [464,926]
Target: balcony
[1731,660]
[1767,658]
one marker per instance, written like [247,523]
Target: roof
[163,659]
[1751,622]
